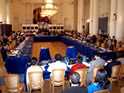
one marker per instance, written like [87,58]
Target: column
[113,18]
[8,13]
[95,17]
[3,11]
[91,17]
[32,9]
[80,15]
[120,21]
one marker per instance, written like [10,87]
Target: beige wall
[3,11]
[21,12]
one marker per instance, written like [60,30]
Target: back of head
[102,79]
[112,57]
[121,53]
[33,61]
[58,57]
[97,54]
[75,78]
[79,59]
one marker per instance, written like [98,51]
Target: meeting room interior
[62,46]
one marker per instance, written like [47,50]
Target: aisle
[54,47]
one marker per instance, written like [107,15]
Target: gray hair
[75,78]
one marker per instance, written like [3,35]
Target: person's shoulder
[77,89]
[66,90]
[84,89]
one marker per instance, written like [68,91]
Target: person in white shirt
[57,65]
[34,67]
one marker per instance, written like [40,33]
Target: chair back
[122,72]
[83,75]
[103,91]
[122,90]
[35,78]
[95,69]
[58,75]
[11,82]
[116,72]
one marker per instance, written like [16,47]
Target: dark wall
[5,29]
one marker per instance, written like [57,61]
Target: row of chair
[58,79]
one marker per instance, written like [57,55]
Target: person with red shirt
[78,65]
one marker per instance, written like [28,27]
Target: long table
[16,64]
[87,50]
[46,38]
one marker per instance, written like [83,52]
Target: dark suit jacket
[110,65]
[76,89]
[4,54]
[110,47]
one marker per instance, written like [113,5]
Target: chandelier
[49,9]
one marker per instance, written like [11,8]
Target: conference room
[48,45]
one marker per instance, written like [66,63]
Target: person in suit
[5,40]
[97,62]
[4,52]
[75,85]
[101,82]
[109,46]
[112,63]
[114,40]
[78,65]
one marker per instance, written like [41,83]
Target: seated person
[78,65]
[97,62]
[58,64]
[121,57]
[4,52]
[34,67]
[114,41]
[109,46]
[112,63]
[101,82]
[75,85]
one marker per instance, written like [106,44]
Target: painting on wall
[37,18]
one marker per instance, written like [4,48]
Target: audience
[112,63]
[78,65]
[58,64]
[101,82]
[75,85]
[121,57]
[34,67]
[97,62]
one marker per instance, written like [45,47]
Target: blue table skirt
[46,38]
[86,50]
[45,54]
[16,64]
[71,52]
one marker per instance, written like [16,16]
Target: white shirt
[32,69]
[57,65]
